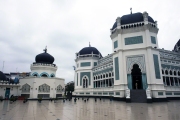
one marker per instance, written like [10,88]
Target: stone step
[138,96]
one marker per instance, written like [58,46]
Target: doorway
[136,77]
[7,93]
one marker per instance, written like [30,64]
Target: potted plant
[55,100]
[1,98]
[111,98]
[24,101]
[39,99]
[11,100]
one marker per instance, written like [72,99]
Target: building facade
[135,64]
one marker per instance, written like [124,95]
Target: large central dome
[44,58]
[132,18]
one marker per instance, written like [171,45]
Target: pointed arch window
[162,71]
[59,88]
[170,72]
[85,82]
[109,74]
[178,73]
[26,88]
[44,88]
[106,74]
[166,72]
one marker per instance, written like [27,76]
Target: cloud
[65,27]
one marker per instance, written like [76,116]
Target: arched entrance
[136,77]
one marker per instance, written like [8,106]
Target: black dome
[2,76]
[44,58]
[89,50]
[177,46]
[132,18]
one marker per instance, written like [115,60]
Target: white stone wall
[14,90]
[36,82]
[80,69]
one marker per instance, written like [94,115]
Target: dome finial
[89,44]
[45,50]
[131,10]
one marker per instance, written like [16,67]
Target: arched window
[44,88]
[178,73]
[52,75]
[26,88]
[162,71]
[98,76]
[85,82]
[59,88]
[166,72]
[170,72]
[174,72]
[106,74]
[112,74]
[44,75]
[35,74]
[101,76]
[94,78]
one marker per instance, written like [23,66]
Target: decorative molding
[139,59]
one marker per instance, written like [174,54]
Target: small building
[42,82]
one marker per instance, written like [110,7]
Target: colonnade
[104,83]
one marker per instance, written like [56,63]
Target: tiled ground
[91,110]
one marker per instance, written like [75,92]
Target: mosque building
[137,70]
[42,82]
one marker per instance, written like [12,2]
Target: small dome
[2,76]
[132,18]
[44,58]
[89,50]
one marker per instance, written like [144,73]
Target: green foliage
[69,87]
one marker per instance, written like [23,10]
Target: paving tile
[91,110]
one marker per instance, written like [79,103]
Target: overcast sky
[66,26]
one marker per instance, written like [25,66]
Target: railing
[95,89]
[88,55]
[133,25]
[42,64]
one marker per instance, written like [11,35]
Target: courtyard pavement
[90,110]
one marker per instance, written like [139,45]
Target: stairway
[138,96]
